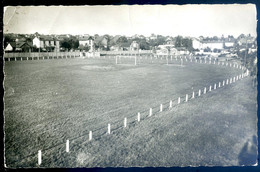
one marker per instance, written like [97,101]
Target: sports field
[50,101]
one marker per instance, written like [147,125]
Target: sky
[172,20]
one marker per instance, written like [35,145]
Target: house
[87,41]
[229,42]
[166,50]
[169,41]
[10,46]
[23,46]
[134,46]
[182,51]
[213,45]
[153,37]
[47,43]
[116,48]
[101,42]
[196,43]
[243,40]
[125,46]
[37,42]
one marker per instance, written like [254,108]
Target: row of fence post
[225,82]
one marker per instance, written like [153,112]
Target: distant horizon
[128,20]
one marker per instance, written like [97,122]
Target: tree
[65,44]
[70,43]
[121,40]
[144,45]
[108,38]
[178,42]
[8,39]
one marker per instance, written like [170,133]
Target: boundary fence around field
[152,111]
[19,56]
[39,55]
[142,115]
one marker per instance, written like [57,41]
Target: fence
[125,52]
[152,111]
[40,55]
[142,115]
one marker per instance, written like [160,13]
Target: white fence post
[150,112]
[138,117]
[215,86]
[219,84]
[90,135]
[161,108]
[199,92]
[108,129]
[223,82]
[67,146]
[170,103]
[209,88]
[227,82]
[39,157]
[179,100]
[193,95]
[230,81]
[205,90]
[125,122]
[186,98]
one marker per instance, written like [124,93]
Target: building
[24,46]
[10,47]
[87,41]
[196,43]
[213,44]
[169,41]
[166,50]
[20,46]
[134,46]
[46,43]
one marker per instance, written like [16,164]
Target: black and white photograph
[130,86]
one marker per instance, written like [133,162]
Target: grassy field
[50,101]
